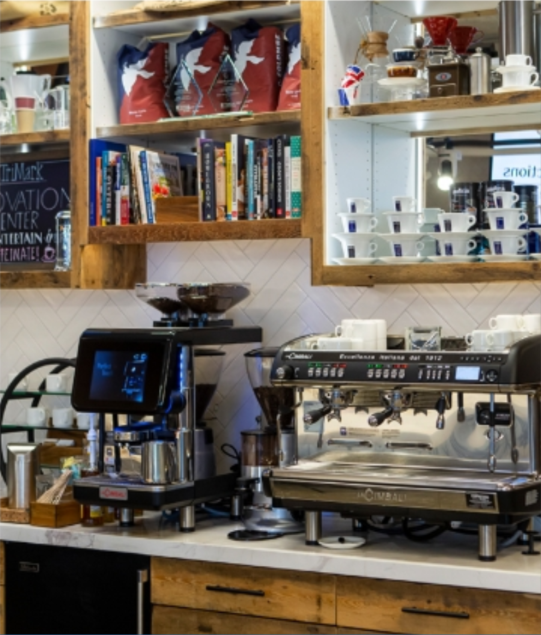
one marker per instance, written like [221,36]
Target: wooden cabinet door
[289,595]
[167,620]
[406,607]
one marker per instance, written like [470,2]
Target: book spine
[257,182]
[146,187]
[250,180]
[265,182]
[109,196]
[209,183]
[234,177]
[200,178]
[116,192]
[296,182]
[124,190]
[287,171]
[97,198]
[271,179]
[229,181]
[279,178]
[104,165]
[220,180]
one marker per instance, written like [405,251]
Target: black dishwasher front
[51,589]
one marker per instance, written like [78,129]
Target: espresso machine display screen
[119,376]
[467,373]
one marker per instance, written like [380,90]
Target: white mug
[332,344]
[372,333]
[358,205]
[455,246]
[85,419]
[506,218]
[403,222]
[518,60]
[507,322]
[62,417]
[520,78]
[404,203]
[504,199]
[37,416]
[430,214]
[507,245]
[456,222]
[56,383]
[358,223]
[357,245]
[480,340]
[406,248]
[23,383]
[531,323]
[504,338]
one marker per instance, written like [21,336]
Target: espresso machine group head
[395,446]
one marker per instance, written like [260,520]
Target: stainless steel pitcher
[23,467]
[516,28]
[158,462]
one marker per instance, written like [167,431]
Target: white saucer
[401,260]
[402,213]
[515,68]
[493,210]
[406,236]
[396,82]
[515,89]
[444,235]
[349,262]
[345,236]
[452,258]
[535,256]
[503,233]
[355,214]
[504,258]
[341,542]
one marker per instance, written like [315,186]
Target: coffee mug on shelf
[518,60]
[332,344]
[358,223]
[62,417]
[406,247]
[531,323]
[520,78]
[357,245]
[404,203]
[459,244]
[507,245]
[56,383]
[403,222]
[504,199]
[506,219]
[358,205]
[507,322]
[456,222]
[37,416]
[480,340]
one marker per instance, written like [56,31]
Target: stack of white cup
[404,227]
[504,331]
[364,335]
[507,234]
[357,239]
[455,240]
[518,73]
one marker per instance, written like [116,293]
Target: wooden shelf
[34,22]
[35,138]
[175,232]
[35,279]
[152,23]
[370,275]
[463,114]
[178,129]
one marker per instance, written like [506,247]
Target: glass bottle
[63,241]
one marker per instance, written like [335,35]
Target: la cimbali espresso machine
[149,376]
[380,437]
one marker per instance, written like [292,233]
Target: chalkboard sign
[31,194]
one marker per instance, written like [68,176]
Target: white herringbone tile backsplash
[43,323]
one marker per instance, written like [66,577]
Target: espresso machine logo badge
[299,356]
[382,496]
[114,493]
[443,77]
[480,501]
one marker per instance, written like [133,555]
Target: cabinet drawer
[166,620]
[304,597]
[406,607]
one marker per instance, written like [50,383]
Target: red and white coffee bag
[290,92]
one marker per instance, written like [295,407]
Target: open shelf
[186,19]
[36,21]
[461,114]
[203,231]
[35,279]
[35,138]
[369,275]
[177,129]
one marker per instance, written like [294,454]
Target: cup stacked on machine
[503,332]
[518,73]
[508,226]
[357,335]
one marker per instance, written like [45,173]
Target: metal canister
[23,467]
[516,27]
[480,73]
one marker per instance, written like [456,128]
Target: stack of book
[249,179]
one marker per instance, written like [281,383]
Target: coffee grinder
[272,444]
[448,73]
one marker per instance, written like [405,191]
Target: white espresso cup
[455,245]
[507,322]
[372,333]
[480,340]
[518,60]
[358,205]
[406,247]
[506,218]
[85,419]
[531,323]
[403,222]
[357,245]
[505,199]
[358,223]
[332,344]
[502,339]
[404,203]
[56,383]
[520,78]
[23,383]
[62,417]
[507,245]
[37,416]
[456,222]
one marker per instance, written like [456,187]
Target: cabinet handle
[142,578]
[461,615]
[225,589]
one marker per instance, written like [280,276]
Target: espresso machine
[162,384]
[272,444]
[378,436]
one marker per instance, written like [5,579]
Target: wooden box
[8,515]
[61,515]
[177,209]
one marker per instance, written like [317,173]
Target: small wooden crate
[61,515]
[8,515]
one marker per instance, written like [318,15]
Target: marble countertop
[450,559]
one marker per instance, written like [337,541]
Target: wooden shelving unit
[440,115]
[198,231]
[161,130]
[35,279]
[35,138]
[34,22]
